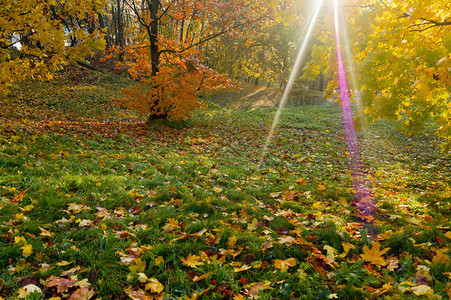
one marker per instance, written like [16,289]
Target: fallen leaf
[138,266]
[231,242]
[192,261]
[254,288]
[422,290]
[171,225]
[374,255]
[142,277]
[70,271]
[154,286]
[199,278]
[83,293]
[62,284]
[27,250]
[25,291]
[331,252]
[253,226]
[159,260]
[138,294]
[283,265]
[242,268]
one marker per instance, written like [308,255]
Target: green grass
[106,197]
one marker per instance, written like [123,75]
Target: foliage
[399,60]
[172,93]
[33,36]
[103,205]
[167,59]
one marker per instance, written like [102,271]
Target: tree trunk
[154,51]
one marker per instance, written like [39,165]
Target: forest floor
[97,204]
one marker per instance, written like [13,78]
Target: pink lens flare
[364,200]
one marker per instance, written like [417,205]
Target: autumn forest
[225,149]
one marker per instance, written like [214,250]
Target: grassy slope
[116,203]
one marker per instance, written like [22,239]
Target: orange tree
[166,59]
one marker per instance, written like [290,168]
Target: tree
[38,37]
[401,52]
[168,62]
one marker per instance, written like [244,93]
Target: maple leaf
[171,225]
[254,225]
[62,284]
[287,240]
[254,289]
[154,286]
[139,266]
[25,291]
[142,277]
[422,290]
[159,260]
[374,255]
[346,248]
[199,278]
[192,261]
[331,252]
[283,265]
[242,268]
[83,293]
[231,241]
[27,250]
[138,294]
[321,187]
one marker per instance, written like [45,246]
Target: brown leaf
[62,284]
[83,293]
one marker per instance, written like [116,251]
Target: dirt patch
[251,97]
[247,97]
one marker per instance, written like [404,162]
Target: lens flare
[363,198]
[294,72]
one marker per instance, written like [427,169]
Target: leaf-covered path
[95,204]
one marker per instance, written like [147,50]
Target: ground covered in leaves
[97,204]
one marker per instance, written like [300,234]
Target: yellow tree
[402,54]
[38,37]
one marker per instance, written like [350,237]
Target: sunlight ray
[294,72]
[363,198]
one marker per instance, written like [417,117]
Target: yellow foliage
[33,40]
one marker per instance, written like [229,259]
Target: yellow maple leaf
[448,234]
[154,286]
[242,268]
[374,255]
[422,290]
[139,266]
[346,248]
[27,250]
[192,261]
[159,260]
[321,187]
[253,226]
[231,242]
[199,278]
[283,265]
[331,252]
